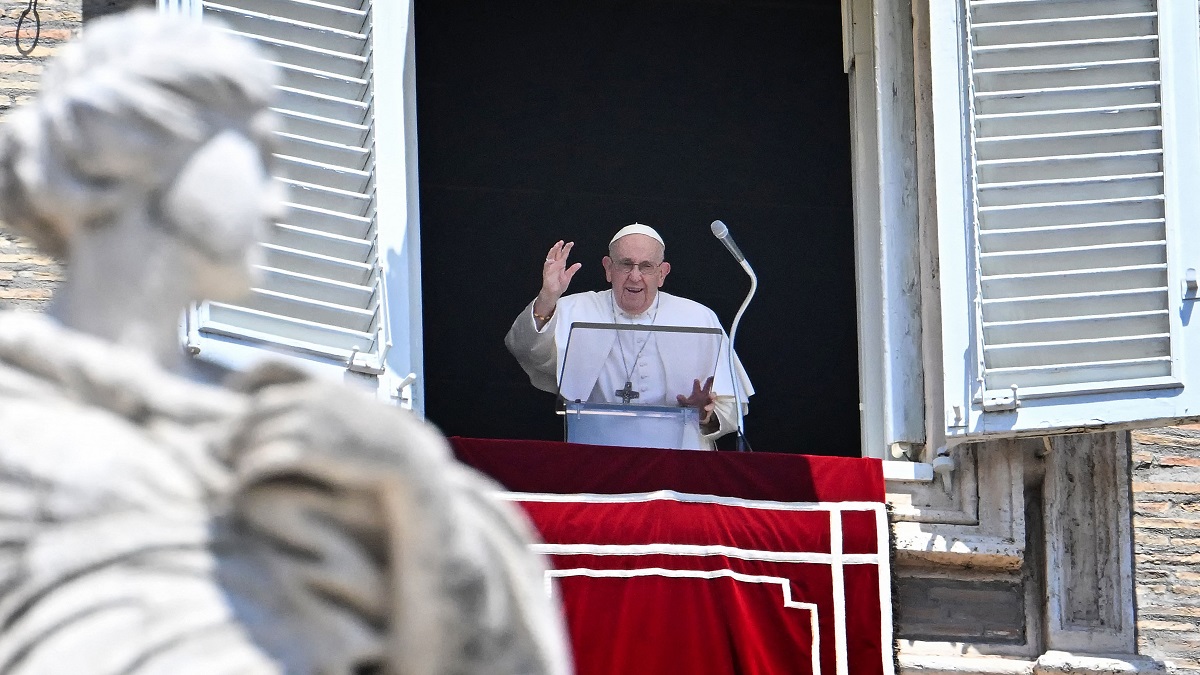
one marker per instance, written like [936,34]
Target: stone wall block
[1089,557]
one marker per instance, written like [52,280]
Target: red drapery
[707,563]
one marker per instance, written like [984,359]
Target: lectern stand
[639,426]
[596,416]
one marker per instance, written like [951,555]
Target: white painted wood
[908,472]
[180,7]
[1064,134]
[346,153]
[867,274]
[886,241]
[399,236]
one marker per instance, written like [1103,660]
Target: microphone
[722,234]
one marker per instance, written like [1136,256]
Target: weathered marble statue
[150,523]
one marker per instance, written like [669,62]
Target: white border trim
[703,551]
[883,532]
[839,592]
[784,584]
[685,498]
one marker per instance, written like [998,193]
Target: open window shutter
[1065,142]
[321,295]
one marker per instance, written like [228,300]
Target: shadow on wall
[94,9]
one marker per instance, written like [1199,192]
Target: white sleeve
[726,412]
[535,350]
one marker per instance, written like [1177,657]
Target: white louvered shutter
[1066,159]
[322,296]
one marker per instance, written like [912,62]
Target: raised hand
[556,276]
[701,399]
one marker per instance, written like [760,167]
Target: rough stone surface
[27,280]
[1166,506]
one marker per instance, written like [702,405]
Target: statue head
[161,121]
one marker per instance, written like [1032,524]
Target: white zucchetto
[637,228]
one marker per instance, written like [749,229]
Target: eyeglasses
[627,266]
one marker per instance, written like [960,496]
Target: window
[1065,135]
[340,280]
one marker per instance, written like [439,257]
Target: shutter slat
[296,307]
[316,265]
[323,129]
[1058,69]
[324,107]
[1027,354]
[990,11]
[310,194]
[1056,376]
[253,324]
[285,30]
[1061,260]
[316,173]
[1074,281]
[1070,142]
[304,239]
[1026,100]
[1091,165]
[319,82]
[1023,308]
[1040,122]
[1015,56]
[1070,27]
[1089,234]
[1060,329]
[317,288]
[332,154]
[1071,212]
[347,15]
[1047,191]
[1070,77]
[321,60]
[333,222]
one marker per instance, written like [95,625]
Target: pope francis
[634,366]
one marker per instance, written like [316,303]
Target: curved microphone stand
[721,232]
[742,443]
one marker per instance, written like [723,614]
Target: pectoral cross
[627,394]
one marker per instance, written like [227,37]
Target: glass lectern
[600,401]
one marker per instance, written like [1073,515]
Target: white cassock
[604,361]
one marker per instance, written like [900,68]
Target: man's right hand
[556,276]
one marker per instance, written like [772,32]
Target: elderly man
[638,367]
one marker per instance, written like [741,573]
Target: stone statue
[151,522]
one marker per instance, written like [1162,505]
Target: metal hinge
[954,418]
[995,401]
[369,364]
[365,364]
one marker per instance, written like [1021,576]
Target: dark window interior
[545,120]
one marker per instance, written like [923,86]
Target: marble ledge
[1050,663]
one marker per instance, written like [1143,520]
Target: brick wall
[27,278]
[1166,503]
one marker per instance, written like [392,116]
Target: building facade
[1055,543]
